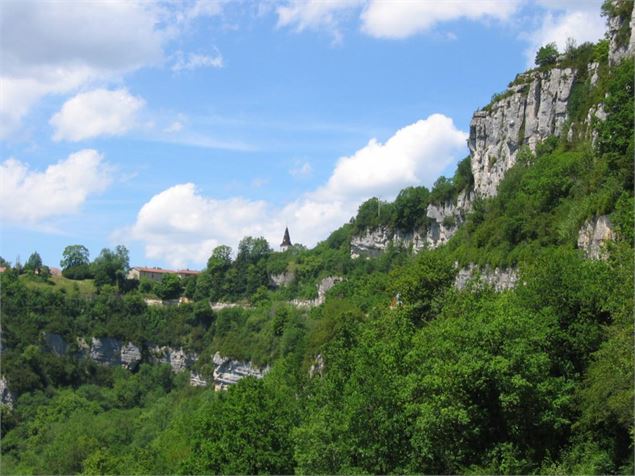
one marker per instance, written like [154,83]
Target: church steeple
[286,240]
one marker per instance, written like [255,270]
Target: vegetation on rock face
[413,375]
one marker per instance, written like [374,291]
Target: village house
[156,274]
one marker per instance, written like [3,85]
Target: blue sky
[172,127]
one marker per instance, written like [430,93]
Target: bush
[547,55]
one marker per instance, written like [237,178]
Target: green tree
[547,55]
[111,267]
[34,263]
[170,286]
[74,255]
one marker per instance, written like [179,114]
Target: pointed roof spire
[286,240]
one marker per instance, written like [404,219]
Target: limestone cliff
[533,108]
[113,352]
[228,371]
[525,114]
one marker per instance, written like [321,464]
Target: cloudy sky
[172,127]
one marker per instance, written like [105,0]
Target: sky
[172,127]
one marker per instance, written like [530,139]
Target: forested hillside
[418,360]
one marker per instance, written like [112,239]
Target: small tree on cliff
[547,55]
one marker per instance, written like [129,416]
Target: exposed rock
[6,396]
[619,50]
[197,380]
[593,235]
[373,242]
[326,284]
[178,359]
[55,343]
[106,350]
[527,113]
[228,371]
[323,287]
[447,218]
[317,368]
[593,70]
[500,279]
[283,279]
[130,356]
[219,306]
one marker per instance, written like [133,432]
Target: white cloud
[96,113]
[389,19]
[301,169]
[182,226]
[316,14]
[578,20]
[196,61]
[55,47]
[29,196]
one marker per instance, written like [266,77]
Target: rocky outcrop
[447,218]
[444,220]
[317,368]
[6,396]
[219,306]
[525,114]
[621,40]
[323,287]
[104,350]
[228,371]
[593,236]
[500,279]
[282,279]
[177,359]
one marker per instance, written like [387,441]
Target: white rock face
[283,279]
[323,287]
[618,52]
[178,359]
[499,279]
[527,114]
[130,356]
[109,351]
[6,396]
[228,371]
[445,220]
[593,235]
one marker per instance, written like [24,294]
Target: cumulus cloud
[580,21]
[181,226]
[96,113]
[388,19]
[196,61]
[56,47]
[30,196]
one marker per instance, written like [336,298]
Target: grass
[84,287]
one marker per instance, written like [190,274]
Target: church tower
[286,240]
